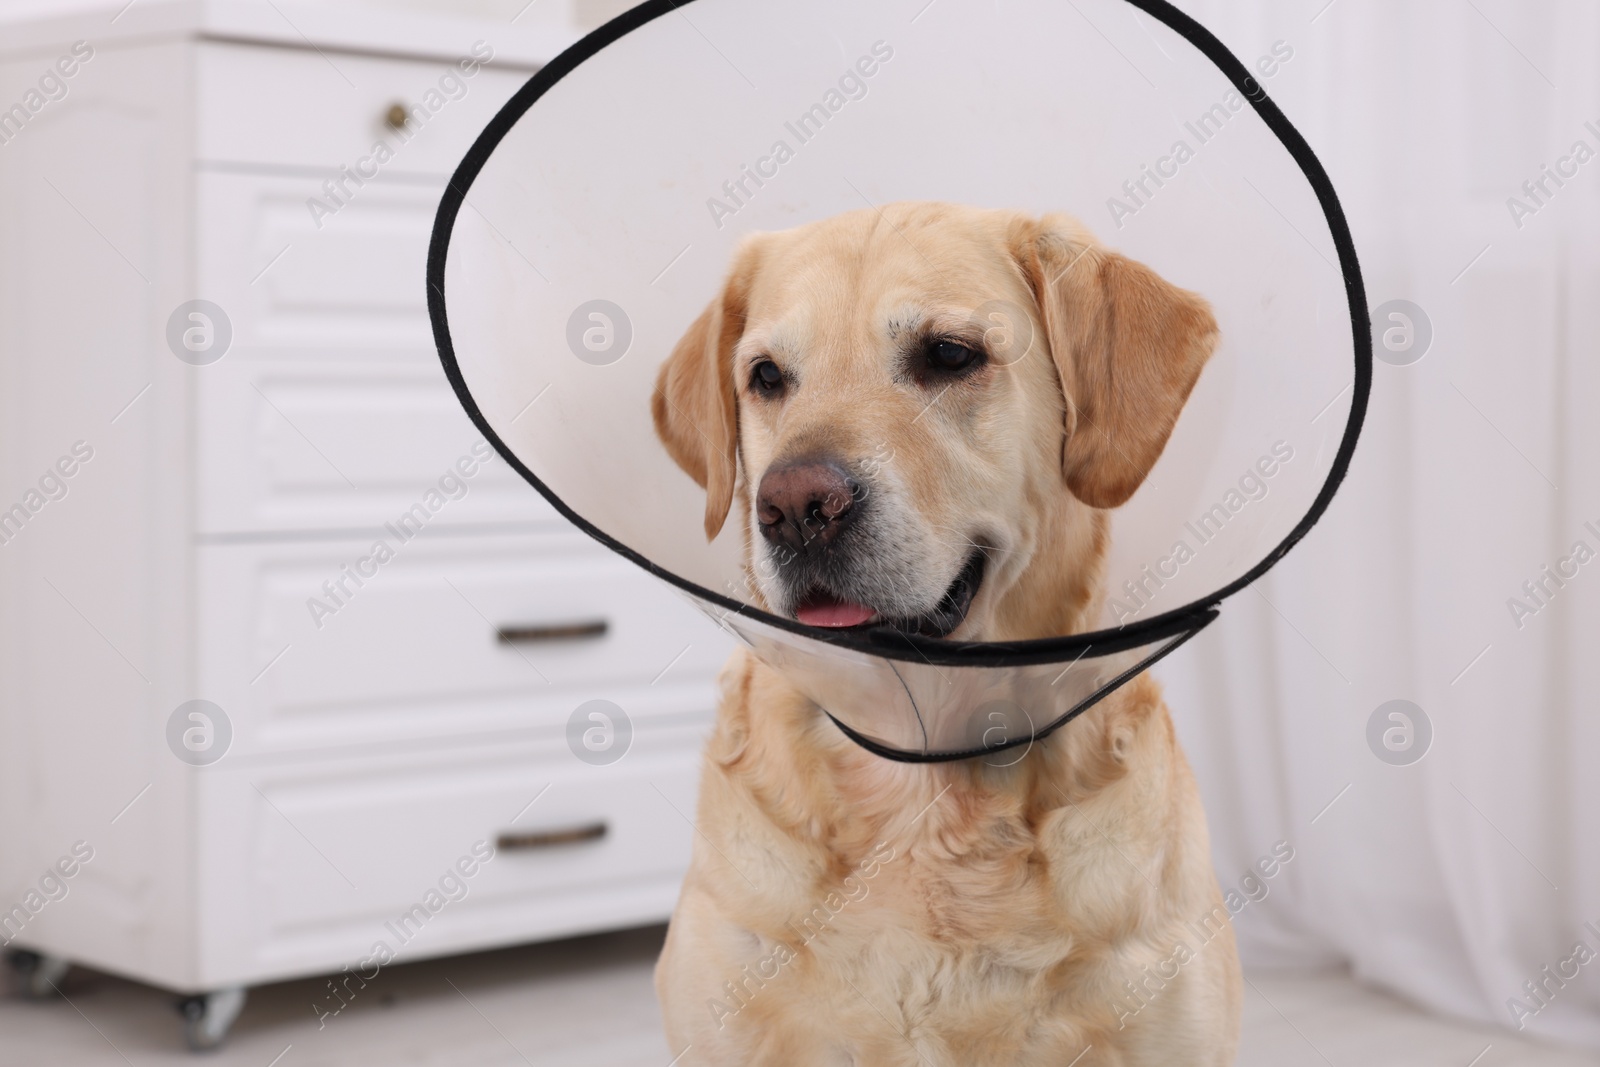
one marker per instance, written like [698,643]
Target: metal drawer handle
[572,835]
[560,631]
[397,117]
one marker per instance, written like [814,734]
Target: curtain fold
[1466,880]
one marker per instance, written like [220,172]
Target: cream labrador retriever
[844,909]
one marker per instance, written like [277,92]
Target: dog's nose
[804,505]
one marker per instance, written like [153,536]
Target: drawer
[347,447]
[302,659]
[278,106]
[319,863]
[346,286]
[329,409]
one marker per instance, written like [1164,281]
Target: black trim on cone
[901,755]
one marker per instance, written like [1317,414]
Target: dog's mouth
[820,607]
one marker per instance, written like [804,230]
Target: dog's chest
[967,884]
[963,947]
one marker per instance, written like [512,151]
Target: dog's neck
[796,765]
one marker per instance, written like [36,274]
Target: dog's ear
[694,404]
[1128,347]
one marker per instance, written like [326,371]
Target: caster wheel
[37,975]
[208,1017]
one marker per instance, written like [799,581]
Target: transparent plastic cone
[598,215]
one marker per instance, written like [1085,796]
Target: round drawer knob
[396,117]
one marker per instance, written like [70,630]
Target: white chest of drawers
[221,542]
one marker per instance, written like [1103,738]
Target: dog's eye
[766,377]
[951,357]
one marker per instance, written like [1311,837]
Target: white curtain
[1455,879]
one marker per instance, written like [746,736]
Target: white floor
[588,1003]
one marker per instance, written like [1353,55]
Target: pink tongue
[834,614]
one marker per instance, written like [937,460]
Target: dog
[845,909]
